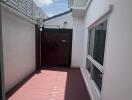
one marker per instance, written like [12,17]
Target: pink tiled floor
[53,84]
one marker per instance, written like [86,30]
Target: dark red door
[56,47]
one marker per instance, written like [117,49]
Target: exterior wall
[59,21]
[18,48]
[117,77]
[77,41]
[117,81]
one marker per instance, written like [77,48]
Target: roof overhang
[64,13]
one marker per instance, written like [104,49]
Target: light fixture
[65,24]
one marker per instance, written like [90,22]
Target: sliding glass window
[99,43]
[95,55]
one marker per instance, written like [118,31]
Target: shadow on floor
[74,88]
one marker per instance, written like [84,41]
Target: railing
[26,7]
[77,3]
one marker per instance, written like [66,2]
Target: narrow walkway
[52,84]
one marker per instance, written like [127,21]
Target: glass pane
[99,43]
[97,77]
[91,42]
[88,65]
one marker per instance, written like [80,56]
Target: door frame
[61,30]
[2,83]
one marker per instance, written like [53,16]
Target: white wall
[77,42]
[117,77]
[117,81]
[59,21]
[19,48]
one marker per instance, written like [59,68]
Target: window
[91,42]
[95,55]
[96,43]
[99,43]
[97,77]
[88,65]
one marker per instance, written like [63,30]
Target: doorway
[56,45]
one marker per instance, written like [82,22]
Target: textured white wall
[59,21]
[19,48]
[117,82]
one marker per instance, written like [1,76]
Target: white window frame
[91,59]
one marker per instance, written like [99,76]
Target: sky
[52,7]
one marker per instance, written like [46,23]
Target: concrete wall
[59,21]
[117,81]
[18,46]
